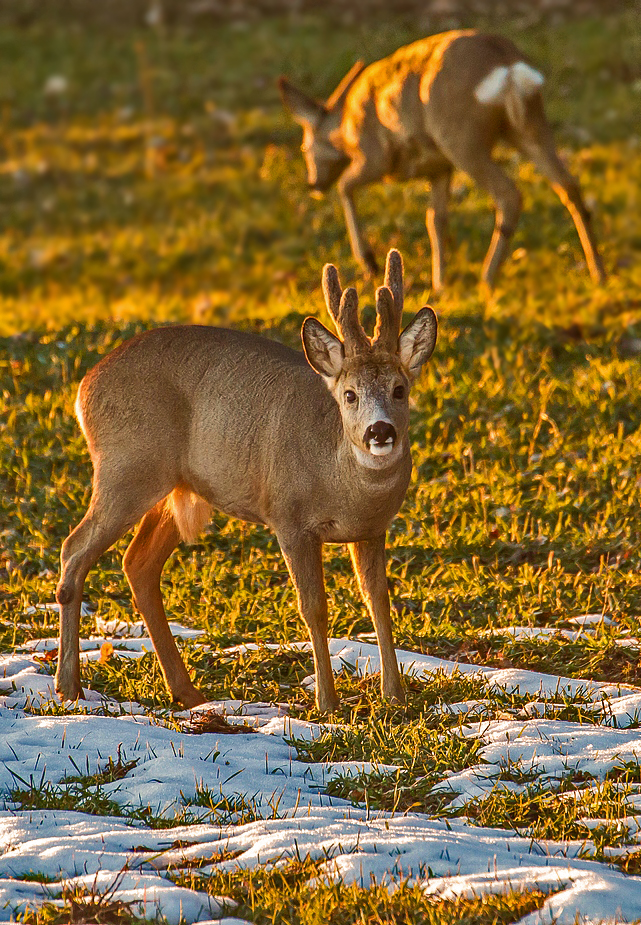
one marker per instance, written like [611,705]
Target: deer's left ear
[417,341]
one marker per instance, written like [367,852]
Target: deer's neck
[363,500]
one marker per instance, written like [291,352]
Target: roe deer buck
[440,103]
[183,419]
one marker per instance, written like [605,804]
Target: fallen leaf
[106,651]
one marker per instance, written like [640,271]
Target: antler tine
[354,337]
[387,321]
[332,291]
[389,303]
[394,279]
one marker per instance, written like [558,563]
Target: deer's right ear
[325,352]
[304,108]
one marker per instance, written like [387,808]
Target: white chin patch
[377,457]
[384,450]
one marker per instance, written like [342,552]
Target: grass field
[162,182]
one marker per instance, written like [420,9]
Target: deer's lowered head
[370,378]
[324,157]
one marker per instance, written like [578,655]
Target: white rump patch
[525,79]
[190,512]
[492,87]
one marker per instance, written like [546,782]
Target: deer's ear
[325,352]
[417,341]
[337,99]
[305,109]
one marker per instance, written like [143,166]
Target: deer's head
[370,378]
[324,159]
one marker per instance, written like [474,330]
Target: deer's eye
[350,396]
[399,391]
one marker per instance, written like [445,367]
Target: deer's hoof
[395,694]
[190,698]
[69,690]
[327,704]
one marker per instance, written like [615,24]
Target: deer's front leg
[303,555]
[359,173]
[368,557]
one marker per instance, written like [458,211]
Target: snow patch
[293,816]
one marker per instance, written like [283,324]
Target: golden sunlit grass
[188,200]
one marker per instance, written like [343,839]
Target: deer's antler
[389,304]
[343,307]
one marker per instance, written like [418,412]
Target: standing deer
[440,103]
[180,420]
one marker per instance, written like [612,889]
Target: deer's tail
[189,511]
[510,86]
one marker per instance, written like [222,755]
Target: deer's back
[411,96]
[164,378]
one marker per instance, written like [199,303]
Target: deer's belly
[418,157]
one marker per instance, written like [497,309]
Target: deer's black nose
[380,433]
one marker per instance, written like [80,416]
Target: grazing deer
[180,420]
[440,103]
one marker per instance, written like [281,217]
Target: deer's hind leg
[543,155]
[155,540]
[112,511]
[487,174]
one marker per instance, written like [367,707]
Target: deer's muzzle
[380,438]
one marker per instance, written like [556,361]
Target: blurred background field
[148,170]
[148,173]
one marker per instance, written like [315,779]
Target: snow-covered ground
[450,858]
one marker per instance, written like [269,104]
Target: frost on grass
[156,800]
